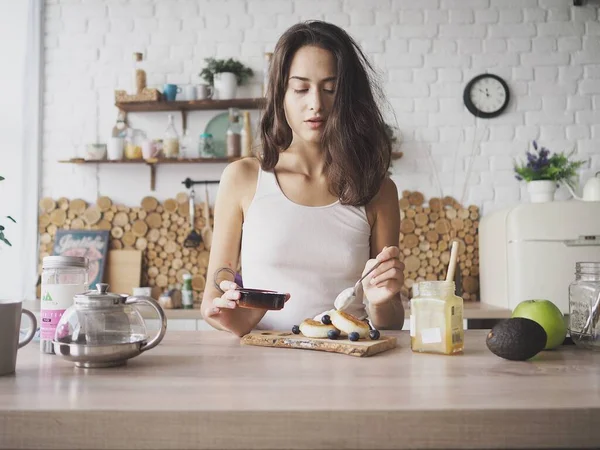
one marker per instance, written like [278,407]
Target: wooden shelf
[152,163]
[184,107]
[195,105]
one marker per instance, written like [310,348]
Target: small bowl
[253,298]
[260,299]
[95,151]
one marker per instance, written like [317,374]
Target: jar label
[50,319]
[431,336]
[187,298]
[56,298]
[413,332]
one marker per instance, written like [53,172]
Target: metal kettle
[591,190]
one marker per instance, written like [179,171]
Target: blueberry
[353,336]
[333,334]
[296,329]
[374,334]
[326,320]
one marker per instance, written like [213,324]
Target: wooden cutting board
[123,270]
[285,339]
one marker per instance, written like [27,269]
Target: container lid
[187,276]
[205,135]
[99,297]
[64,262]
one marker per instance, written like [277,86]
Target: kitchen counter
[472,310]
[204,390]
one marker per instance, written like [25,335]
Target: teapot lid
[99,298]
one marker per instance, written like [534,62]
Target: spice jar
[62,278]
[584,305]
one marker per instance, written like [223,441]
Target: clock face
[486,96]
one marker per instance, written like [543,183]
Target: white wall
[427,50]
[13,26]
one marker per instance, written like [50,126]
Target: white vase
[541,191]
[225,85]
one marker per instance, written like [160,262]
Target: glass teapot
[102,329]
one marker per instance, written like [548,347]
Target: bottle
[436,319]
[187,292]
[584,305]
[120,127]
[246,135]
[139,75]
[266,68]
[234,139]
[186,146]
[171,140]
[62,278]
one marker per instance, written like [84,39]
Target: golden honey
[436,319]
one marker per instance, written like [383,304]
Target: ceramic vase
[541,191]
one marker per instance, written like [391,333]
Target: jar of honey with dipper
[436,315]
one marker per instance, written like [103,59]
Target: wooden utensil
[207,230]
[284,339]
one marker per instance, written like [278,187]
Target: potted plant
[225,75]
[543,172]
[2,236]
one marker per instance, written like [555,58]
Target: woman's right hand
[227,301]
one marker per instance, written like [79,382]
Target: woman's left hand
[385,282]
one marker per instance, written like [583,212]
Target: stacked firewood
[160,229]
[426,233]
[157,230]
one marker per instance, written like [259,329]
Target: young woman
[316,210]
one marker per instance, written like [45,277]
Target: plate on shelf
[217,126]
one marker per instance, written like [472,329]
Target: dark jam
[259,299]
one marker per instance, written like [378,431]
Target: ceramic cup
[10,324]
[204,91]
[170,92]
[116,145]
[189,92]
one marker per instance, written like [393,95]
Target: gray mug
[10,325]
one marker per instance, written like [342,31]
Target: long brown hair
[357,147]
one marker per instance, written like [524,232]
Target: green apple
[548,316]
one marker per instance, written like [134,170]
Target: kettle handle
[163,320]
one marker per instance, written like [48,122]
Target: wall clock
[486,96]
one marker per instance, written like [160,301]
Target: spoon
[348,295]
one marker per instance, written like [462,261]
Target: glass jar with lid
[62,278]
[206,146]
[584,305]
[436,319]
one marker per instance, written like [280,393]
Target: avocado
[516,339]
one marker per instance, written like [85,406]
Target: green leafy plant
[2,237]
[542,165]
[214,66]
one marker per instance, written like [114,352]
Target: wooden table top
[204,390]
[472,310]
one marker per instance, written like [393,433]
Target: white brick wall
[547,50]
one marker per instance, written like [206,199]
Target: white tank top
[311,252]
